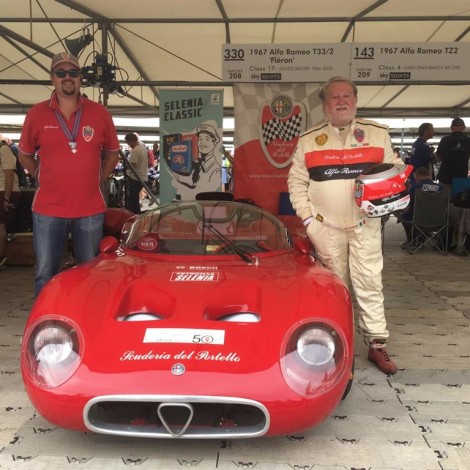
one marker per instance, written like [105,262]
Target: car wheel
[350,382]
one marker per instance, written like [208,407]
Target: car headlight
[313,358]
[52,353]
[316,346]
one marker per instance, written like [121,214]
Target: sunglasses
[63,73]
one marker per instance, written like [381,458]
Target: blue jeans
[49,238]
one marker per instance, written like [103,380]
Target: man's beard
[339,119]
[69,91]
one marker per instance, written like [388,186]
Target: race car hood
[192,302]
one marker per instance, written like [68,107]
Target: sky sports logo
[400,75]
[271,76]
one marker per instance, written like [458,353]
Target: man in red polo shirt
[69,144]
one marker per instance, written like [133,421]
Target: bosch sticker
[204,268]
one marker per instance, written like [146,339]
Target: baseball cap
[208,129]
[64,58]
[457,122]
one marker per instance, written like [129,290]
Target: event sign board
[362,62]
[421,62]
[284,62]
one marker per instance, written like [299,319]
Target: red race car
[207,320]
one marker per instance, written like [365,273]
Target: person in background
[22,176]
[453,152]
[397,153]
[407,157]
[76,145]
[326,162]
[151,166]
[9,195]
[138,159]
[422,155]
[151,158]
[156,152]
[227,168]
[155,172]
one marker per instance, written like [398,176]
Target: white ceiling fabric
[168,43]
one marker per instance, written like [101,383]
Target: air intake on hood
[242,317]
[141,316]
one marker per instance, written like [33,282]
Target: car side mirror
[108,244]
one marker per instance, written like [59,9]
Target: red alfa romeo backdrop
[268,122]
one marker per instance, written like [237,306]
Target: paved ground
[418,419]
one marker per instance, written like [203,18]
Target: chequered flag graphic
[280,129]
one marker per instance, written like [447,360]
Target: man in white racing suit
[327,160]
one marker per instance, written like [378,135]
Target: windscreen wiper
[248,257]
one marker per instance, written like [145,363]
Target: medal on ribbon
[70,134]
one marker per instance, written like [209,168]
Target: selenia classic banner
[190,143]
[269,119]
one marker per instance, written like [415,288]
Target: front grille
[167,416]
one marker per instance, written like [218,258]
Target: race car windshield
[207,228]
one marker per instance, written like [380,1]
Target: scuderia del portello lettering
[181,356]
[183,109]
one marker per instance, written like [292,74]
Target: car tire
[350,382]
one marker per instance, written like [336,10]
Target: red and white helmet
[381,189]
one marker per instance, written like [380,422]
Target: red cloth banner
[269,119]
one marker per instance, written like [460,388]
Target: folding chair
[430,223]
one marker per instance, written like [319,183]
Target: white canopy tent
[152,44]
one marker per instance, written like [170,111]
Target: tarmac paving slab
[418,419]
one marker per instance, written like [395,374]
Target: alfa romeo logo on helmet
[381,190]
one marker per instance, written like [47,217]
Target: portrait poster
[269,119]
[191,131]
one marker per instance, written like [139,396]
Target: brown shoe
[378,354]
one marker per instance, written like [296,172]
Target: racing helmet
[381,190]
